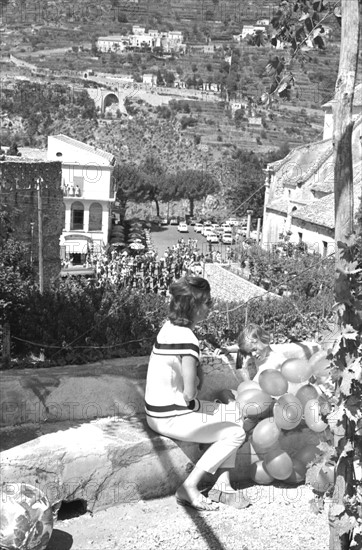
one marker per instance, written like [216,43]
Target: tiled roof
[357,98]
[86,147]
[321,211]
[280,205]
[301,163]
[229,287]
[32,153]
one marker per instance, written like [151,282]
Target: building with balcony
[88,195]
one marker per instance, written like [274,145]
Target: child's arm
[189,376]
[226,350]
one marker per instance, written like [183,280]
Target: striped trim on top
[176,349]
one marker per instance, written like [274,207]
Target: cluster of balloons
[283,400]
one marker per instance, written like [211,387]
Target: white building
[150,79]
[136,29]
[299,197]
[114,43]
[251,29]
[88,194]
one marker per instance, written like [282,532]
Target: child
[172,407]
[254,352]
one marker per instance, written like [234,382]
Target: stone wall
[18,193]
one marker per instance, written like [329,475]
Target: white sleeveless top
[164,384]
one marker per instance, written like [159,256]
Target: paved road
[168,236]
[225,285]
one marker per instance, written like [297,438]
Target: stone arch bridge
[104,98]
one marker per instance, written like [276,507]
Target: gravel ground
[279,519]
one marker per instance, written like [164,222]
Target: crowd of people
[144,269]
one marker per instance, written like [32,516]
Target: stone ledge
[80,393]
[109,461]
[104,462]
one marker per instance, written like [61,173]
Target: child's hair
[187,294]
[252,332]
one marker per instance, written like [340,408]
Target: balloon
[254,402]
[319,363]
[308,453]
[273,382]
[312,415]
[278,464]
[288,412]
[26,519]
[296,370]
[293,387]
[248,385]
[298,473]
[259,474]
[265,434]
[324,480]
[305,393]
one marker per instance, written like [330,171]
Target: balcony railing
[71,191]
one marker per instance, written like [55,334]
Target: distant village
[169,42]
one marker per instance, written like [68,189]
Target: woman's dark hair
[187,294]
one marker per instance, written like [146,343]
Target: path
[279,518]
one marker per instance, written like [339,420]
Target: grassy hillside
[33,27]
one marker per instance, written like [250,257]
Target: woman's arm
[189,375]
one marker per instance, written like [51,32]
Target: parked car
[173,221]
[227,238]
[212,238]
[206,231]
[182,227]
[198,227]
[164,221]
[216,228]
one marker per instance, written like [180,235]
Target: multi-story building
[299,196]
[114,43]
[88,195]
[171,41]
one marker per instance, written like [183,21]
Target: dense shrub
[79,322]
[283,318]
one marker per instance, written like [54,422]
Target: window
[77,218]
[95,217]
[300,236]
[325,249]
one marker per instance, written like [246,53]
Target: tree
[153,180]
[192,185]
[128,182]
[16,273]
[243,183]
[345,389]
